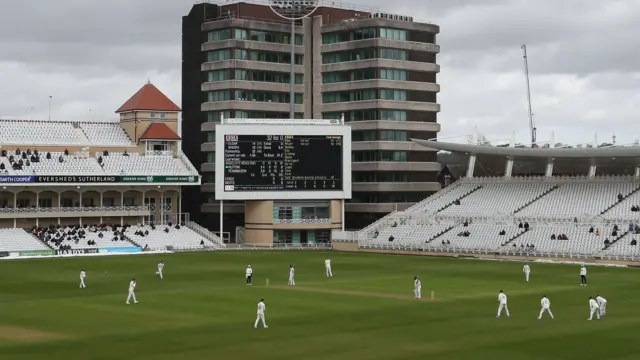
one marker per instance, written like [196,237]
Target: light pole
[293,10]
[50,97]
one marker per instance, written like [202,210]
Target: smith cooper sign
[83,179]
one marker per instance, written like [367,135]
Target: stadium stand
[58,176]
[538,216]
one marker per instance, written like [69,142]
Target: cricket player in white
[292,281]
[160,268]
[417,288]
[83,275]
[527,270]
[545,304]
[261,308]
[248,273]
[502,301]
[327,267]
[132,291]
[594,308]
[602,302]
[583,276]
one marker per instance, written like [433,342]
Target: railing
[205,233]
[159,153]
[319,246]
[239,235]
[74,209]
[302,221]
[188,164]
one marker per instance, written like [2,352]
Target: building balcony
[302,221]
[381,43]
[378,104]
[388,145]
[381,84]
[395,166]
[66,212]
[381,63]
[395,186]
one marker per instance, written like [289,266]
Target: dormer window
[163,115]
[152,114]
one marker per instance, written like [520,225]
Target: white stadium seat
[180,239]
[106,134]
[19,240]
[136,164]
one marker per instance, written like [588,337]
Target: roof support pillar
[472,165]
[509,167]
[549,171]
[637,172]
[592,170]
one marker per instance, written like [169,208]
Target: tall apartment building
[377,71]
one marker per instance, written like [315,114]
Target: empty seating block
[622,210]
[577,199]
[180,239]
[19,240]
[136,164]
[498,199]
[623,247]
[32,133]
[105,134]
[408,233]
[443,198]
[580,240]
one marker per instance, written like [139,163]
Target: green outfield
[203,310]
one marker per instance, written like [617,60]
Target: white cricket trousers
[418,292]
[329,273]
[526,276]
[260,317]
[82,285]
[594,311]
[159,273]
[603,309]
[292,282]
[505,307]
[542,312]
[132,295]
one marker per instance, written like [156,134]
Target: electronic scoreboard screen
[283,163]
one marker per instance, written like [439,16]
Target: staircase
[7,166]
[40,241]
[84,140]
[206,234]
[616,203]
[460,198]
[131,241]
[513,238]
[536,199]
[441,233]
[616,239]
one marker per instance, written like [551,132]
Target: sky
[584,62]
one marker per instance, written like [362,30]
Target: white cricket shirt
[502,298]
[132,286]
[526,269]
[593,304]
[417,283]
[261,308]
[545,303]
[249,271]
[601,300]
[83,275]
[327,263]
[583,271]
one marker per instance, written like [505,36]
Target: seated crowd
[56,235]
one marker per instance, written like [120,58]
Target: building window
[209,177]
[152,115]
[393,74]
[393,54]
[240,34]
[211,157]
[274,57]
[364,33]
[108,202]
[363,74]
[396,95]
[369,135]
[335,77]
[214,116]
[219,55]
[344,96]
[393,156]
[367,156]
[219,75]
[382,176]
[265,96]
[223,95]
[395,34]
[283,212]
[211,136]
[45,203]
[356,115]
[353,55]
[265,115]
[393,115]
[389,135]
[218,35]
[314,212]
[343,36]
[163,115]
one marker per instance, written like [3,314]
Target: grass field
[203,310]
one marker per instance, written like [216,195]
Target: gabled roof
[148,98]
[159,131]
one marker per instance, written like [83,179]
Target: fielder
[502,300]
[83,275]
[602,302]
[261,308]
[248,273]
[545,304]
[583,276]
[160,268]
[327,267]
[132,291]
[527,270]
[417,287]
[292,281]
[593,309]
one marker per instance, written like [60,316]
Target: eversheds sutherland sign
[62,179]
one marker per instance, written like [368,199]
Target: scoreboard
[283,162]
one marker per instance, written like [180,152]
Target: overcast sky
[584,61]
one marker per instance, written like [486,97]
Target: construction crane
[532,128]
